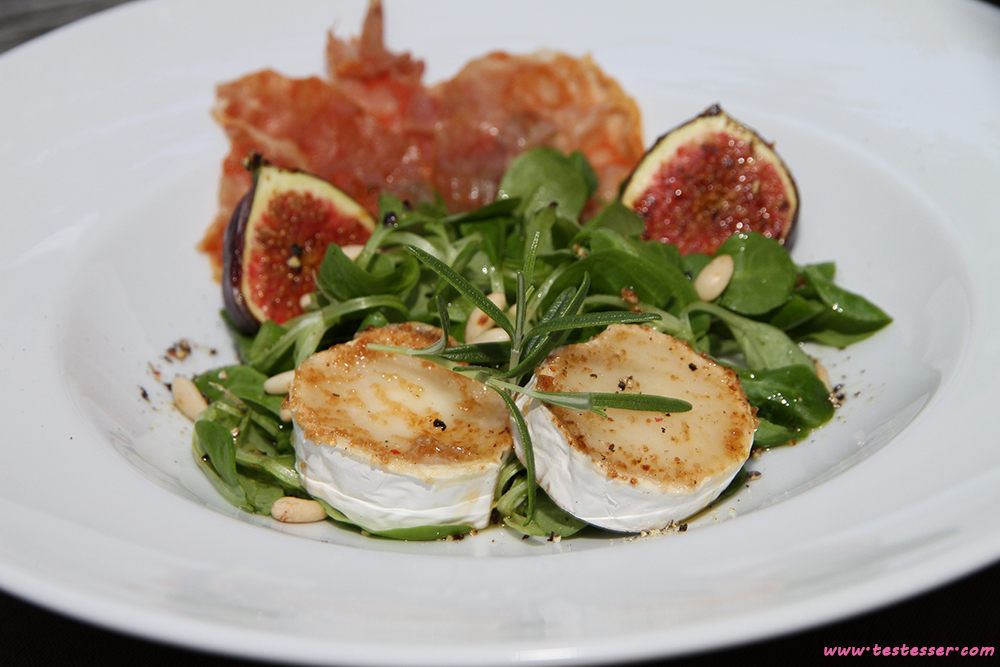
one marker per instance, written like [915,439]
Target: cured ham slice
[500,105]
[388,85]
[313,125]
[372,125]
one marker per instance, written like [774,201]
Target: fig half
[708,179]
[276,240]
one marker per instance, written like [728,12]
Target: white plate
[109,168]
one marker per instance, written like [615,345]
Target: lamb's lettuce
[568,281]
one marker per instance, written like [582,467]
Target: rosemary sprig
[465,288]
[598,402]
[537,342]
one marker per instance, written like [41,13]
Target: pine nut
[187,397]
[479,321]
[714,278]
[278,385]
[824,377]
[352,251]
[285,414]
[494,335]
[297,510]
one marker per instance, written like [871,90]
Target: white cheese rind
[395,442]
[634,470]
[380,500]
[576,484]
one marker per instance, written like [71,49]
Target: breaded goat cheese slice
[393,441]
[633,471]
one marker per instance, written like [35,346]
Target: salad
[568,282]
[480,302]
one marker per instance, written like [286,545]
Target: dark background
[964,613]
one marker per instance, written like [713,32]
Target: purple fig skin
[232,267]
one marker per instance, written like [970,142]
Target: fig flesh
[708,179]
[276,240]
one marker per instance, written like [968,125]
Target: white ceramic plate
[108,173]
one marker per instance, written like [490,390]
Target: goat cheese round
[392,441]
[633,470]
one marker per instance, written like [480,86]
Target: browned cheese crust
[392,409]
[676,451]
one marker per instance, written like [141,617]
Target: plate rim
[976,554]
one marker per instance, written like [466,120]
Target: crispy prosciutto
[387,85]
[501,105]
[372,126]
